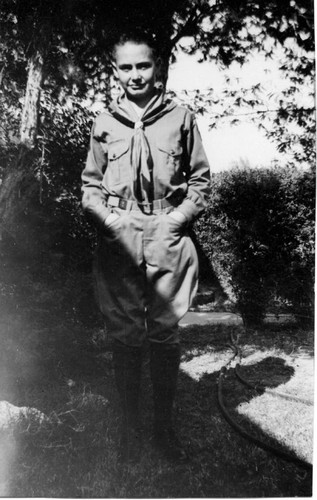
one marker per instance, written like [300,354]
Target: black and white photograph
[157,248]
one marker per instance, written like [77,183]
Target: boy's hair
[138,36]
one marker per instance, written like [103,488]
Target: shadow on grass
[61,371]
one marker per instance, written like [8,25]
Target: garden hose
[285,456]
[253,439]
[260,387]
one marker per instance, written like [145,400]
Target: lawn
[63,369]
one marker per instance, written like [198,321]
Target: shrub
[258,233]
[46,233]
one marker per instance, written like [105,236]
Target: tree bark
[30,112]
[19,190]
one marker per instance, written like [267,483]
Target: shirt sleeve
[94,198]
[197,171]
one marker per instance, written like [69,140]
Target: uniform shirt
[180,169]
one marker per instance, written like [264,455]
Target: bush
[296,282]
[45,232]
[258,232]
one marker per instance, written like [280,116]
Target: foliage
[231,32]
[284,110]
[296,283]
[258,232]
[74,38]
[64,141]
[51,242]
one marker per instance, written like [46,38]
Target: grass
[64,369]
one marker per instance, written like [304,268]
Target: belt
[115,201]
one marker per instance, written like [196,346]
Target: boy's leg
[127,362]
[172,271]
[119,273]
[171,275]
[164,363]
[120,286]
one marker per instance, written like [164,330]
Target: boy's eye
[145,66]
[125,68]
[142,66]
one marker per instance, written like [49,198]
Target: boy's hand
[111,219]
[178,216]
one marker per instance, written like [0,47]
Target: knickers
[146,271]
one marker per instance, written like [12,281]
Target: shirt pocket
[170,160]
[118,168]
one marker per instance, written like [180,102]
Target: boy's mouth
[137,87]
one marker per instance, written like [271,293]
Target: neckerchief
[141,159]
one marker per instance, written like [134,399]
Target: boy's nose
[135,74]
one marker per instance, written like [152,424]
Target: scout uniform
[146,266]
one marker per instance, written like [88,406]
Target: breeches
[146,272]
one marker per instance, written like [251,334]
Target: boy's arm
[93,200]
[198,173]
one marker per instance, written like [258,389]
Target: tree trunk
[19,194]
[30,113]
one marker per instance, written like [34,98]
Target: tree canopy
[68,42]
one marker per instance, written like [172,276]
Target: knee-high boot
[164,363]
[127,361]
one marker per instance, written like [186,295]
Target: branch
[246,114]
[193,20]
[1,74]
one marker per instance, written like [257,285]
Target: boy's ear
[158,61]
[158,64]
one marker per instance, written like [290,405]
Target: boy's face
[136,70]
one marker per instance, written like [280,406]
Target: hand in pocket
[111,220]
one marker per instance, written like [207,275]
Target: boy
[146,178]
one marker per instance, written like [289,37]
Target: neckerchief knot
[138,124]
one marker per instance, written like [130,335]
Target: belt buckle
[122,204]
[147,208]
